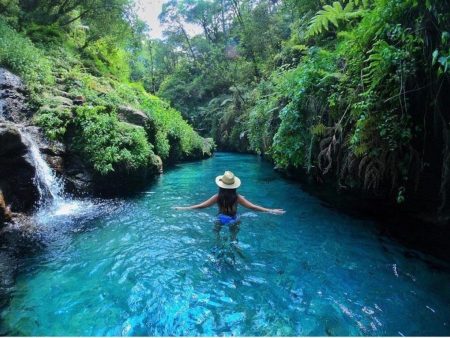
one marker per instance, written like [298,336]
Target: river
[135,266]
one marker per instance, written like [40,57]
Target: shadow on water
[421,240]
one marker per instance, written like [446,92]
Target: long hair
[227,200]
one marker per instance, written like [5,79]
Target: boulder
[79,100]
[133,116]
[46,146]
[78,177]
[62,101]
[159,164]
[5,213]
[10,80]
[13,106]
[53,151]
[11,140]
[17,170]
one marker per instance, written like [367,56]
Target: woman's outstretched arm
[204,204]
[246,203]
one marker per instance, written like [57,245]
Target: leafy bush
[305,91]
[53,121]
[18,54]
[109,144]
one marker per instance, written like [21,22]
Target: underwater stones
[21,234]
[7,270]
[16,169]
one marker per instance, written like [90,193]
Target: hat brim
[235,185]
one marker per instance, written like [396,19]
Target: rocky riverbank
[20,191]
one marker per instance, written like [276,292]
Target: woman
[228,199]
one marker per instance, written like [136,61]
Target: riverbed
[136,266]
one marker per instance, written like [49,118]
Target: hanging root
[445,169]
[329,146]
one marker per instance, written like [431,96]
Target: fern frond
[333,14]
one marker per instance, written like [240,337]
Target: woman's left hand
[180,208]
[277,211]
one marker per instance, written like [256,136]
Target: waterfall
[52,200]
[49,186]
[1,109]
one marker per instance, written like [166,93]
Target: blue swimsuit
[227,220]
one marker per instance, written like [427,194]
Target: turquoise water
[137,267]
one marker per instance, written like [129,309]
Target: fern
[335,14]
[380,62]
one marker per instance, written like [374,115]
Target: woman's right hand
[277,211]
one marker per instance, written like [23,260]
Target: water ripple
[138,267]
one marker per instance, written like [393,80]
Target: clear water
[137,267]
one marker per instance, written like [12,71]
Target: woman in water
[228,199]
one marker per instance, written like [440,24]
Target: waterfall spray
[49,186]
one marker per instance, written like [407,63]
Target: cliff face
[17,170]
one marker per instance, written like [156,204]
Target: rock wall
[17,170]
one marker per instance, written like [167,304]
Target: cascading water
[49,186]
[52,200]
[1,110]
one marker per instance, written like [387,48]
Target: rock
[62,101]
[159,164]
[56,163]
[10,80]
[133,116]
[22,234]
[46,146]
[13,105]
[5,212]
[59,92]
[78,177]
[8,266]
[11,140]
[54,151]
[79,100]
[17,170]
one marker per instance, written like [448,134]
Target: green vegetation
[350,91]
[87,50]
[120,143]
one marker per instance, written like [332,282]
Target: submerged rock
[21,234]
[7,270]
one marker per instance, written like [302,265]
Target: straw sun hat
[228,181]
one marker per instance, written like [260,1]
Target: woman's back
[227,200]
